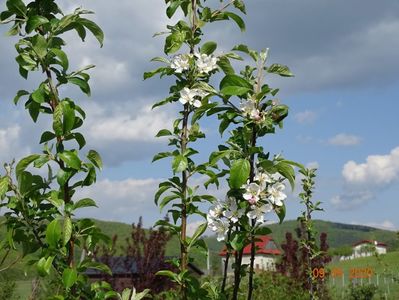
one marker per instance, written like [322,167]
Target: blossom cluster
[203,62]
[263,195]
[222,214]
[249,109]
[192,96]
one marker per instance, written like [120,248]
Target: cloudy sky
[343,102]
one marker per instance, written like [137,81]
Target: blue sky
[343,102]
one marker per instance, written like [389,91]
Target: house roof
[264,245]
[370,242]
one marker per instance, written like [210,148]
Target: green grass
[384,267]
[23,289]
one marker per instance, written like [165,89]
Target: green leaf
[94,29]
[34,22]
[238,240]
[67,230]
[173,42]
[62,57]
[233,84]
[44,265]
[84,86]
[234,90]
[281,70]
[79,139]
[24,163]
[198,232]
[41,161]
[245,49]
[38,95]
[239,4]
[150,74]
[53,233]
[54,200]
[179,163]
[166,200]
[225,65]
[164,132]
[263,230]
[17,6]
[96,265]
[95,158]
[71,159]
[169,274]
[239,173]
[68,120]
[46,136]
[280,211]
[63,176]
[57,121]
[4,182]
[236,18]
[69,277]
[39,44]
[86,202]
[287,171]
[20,94]
[174,5]
[208,48]
[162,155]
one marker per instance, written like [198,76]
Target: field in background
[385,274]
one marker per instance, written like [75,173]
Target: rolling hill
[339,235]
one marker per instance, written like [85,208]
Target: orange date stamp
[354,273]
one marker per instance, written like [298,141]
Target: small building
[368,248]
[266,255]
[126,272]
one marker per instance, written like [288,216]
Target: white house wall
[262,262]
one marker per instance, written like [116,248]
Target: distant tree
[143,255]
[341,251]
[294,262]
[289,264]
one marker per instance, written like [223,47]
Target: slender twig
[225,6]
[259,80]
[226,263]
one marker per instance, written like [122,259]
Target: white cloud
[305,117]
[364,180]
[313,165]
[386,224]
[10,144]
[122,201]
[304,139]
[351,200]
[344,139]
[109,75]
[378,170]
[138,124]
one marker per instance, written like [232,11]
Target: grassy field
[384,271]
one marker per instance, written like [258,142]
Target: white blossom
[258,212]
[233,213]
[221,227]
[276,195]
[252,193]
[263,178]
[188,96]
[180,63]
[248,107]
[206,63]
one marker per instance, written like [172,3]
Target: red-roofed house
[368,248]
[265,258]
